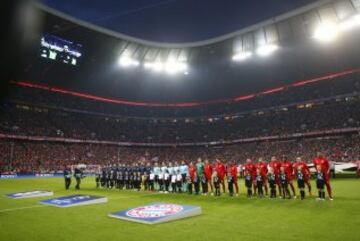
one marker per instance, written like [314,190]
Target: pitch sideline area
[224,218]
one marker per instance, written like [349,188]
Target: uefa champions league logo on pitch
[154,211]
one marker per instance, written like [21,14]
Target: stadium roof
[213,75]
[173,21]
[294,24]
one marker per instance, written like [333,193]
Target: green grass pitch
[223,218]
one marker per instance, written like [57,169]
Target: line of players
[196,178]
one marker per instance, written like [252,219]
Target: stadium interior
[79,94]
[285,79]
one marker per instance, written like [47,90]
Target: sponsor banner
[157,213]
[30,194]
[339,167]
[44,175]
[8,176]
[74,200]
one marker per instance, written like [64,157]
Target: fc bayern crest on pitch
[74,200]
[30,194]
[157,213]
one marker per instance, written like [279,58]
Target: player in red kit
[220,169]
[251,168]
[305,170]
[208,170]
[321,161]
[232,168]
[192,171]
[275,165]
[262,166]
[289,171]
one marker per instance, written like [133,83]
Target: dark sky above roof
[175,20]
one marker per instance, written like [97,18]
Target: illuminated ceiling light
[266,50]
[326,32]
[242,56]
[157,66]
[154,66]
[126,61]
[350,23]
[172,67]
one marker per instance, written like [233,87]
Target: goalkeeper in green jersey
[200,170]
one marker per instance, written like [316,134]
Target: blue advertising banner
[15,176]
[74,200]
[42,175]
[157,213]
[30,194]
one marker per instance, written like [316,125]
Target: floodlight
[173,67]
[157,66]
[126,61]
[242,56]
[170,67]
[350,23]
[267,49]
[326,32]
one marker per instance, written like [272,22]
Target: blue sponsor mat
[30,194]
[74,200]
[157,213]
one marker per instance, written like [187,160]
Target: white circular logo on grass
[154,211]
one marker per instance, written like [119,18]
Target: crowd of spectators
[32,112]
[44,157]
[33,121]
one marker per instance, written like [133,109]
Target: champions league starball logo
[154,211]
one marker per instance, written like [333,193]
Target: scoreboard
[60,50]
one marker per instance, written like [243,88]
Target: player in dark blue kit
[320,183]
[147,182]
[284,183]
[127,180]
[248,183]
[113,177]
[272,182]
[216,183]
[103,177]
[98,177]
[301,182]
[120,179]
[67,177]
[259,183]
[78,174]
[189,184]
[204,185]
[230,181]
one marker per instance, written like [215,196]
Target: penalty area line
[20,208]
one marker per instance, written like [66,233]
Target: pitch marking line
[21,208]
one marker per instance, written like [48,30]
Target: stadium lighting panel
[350,23]
[266,50]
[154,66]
[126,61]
[240,56]
[170,67]
[326,32]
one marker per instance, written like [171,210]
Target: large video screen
[60,50]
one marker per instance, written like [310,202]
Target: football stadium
[180,120]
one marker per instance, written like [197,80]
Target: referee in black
[78,174]
[67,177]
